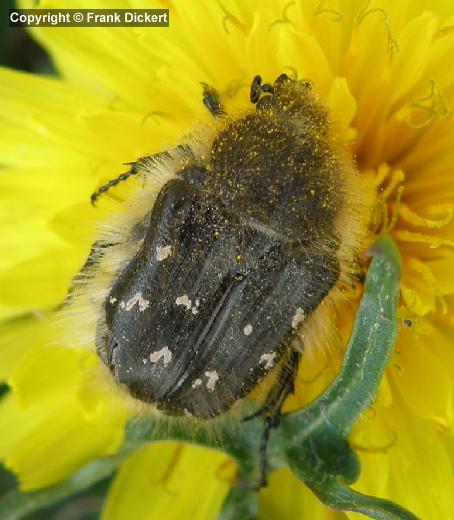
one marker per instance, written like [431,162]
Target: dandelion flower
[383,69]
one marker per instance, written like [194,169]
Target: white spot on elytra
[213,378]
[164,353]
[195,309]
[298,318]
[112,299]
[144,361]
[267,360]
[248,329]
[184,300]
[137,298]
[197,383]
[163,252]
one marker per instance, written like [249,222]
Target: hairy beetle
[200,291]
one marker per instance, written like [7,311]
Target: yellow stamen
[410,216]
[229,17]
[397,178]
[393,45]
[321,10]
[434,104]
[284,18]
[376,449]
[385,223]
[395,210]
[428,277]
[433,242]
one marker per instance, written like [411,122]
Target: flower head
[383,69]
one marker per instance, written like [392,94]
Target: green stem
[316,445]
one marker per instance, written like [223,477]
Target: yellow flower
[384,69]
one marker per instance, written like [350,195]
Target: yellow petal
[46,109]
[372,439]
[171,481]
[414,45]
[443,273]
[419,368]
[46,443]
[421,477]
[25,217]
[48,370]
[404,459]
[8,313]
[26,239]
[342,103]
[17,337]
[41,282]
[72,125]
[115,61]
[43,414]
[286,498]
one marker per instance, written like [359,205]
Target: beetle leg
[263,449]
[106,187]
[136,167]
[278,394]
[272,410]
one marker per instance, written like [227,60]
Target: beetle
[216,277]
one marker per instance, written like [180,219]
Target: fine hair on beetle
[226,261]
